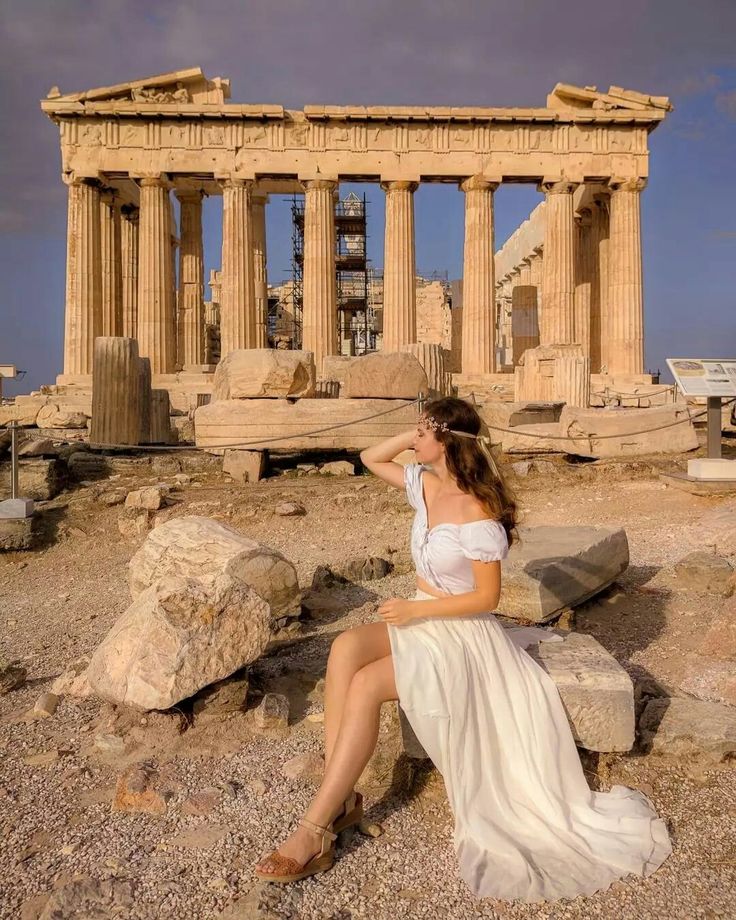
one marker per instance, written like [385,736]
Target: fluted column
[319,311]
[598,295]
[156,320]
[479,327]
[111,258]
[557,321]
[626,311]
[190,341]
[601,224]
[83,310]
[237,298]
[584,258]
[525,326]
[129,270]
[399,267]
[258,205]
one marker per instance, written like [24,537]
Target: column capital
[236,182]
[130,212]
[583,217]
[189,195]
[259,197]
[70,179]
[632,184]
[479,184]
[557,187]
[108,196]
[159,180]
[399,185]
[326,184]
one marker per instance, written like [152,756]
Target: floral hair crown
[483,440]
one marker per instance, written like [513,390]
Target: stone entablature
[110,131]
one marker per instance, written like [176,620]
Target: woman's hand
[397,612]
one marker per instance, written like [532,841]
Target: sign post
[714,379]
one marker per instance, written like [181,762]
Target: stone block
[705,573]
[384,375]
[596,691]
[39,479]
[183,426]
[256,373]
[248,420]
[588,426]
[711,468]
[556,567]
[150,498]
[692,729]
[245,465]
[23,414]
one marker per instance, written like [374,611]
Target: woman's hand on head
[397,611]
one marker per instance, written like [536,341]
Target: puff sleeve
[485,541]
[413,484]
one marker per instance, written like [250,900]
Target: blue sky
[296,52]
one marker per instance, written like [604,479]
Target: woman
[527,826]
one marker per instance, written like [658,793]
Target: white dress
[527,826]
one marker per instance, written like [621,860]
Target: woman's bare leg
[351,651]
[371,686]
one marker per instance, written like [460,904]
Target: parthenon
[125,148]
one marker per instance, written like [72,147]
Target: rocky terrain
[109,813]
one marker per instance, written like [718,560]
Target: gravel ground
[58,602]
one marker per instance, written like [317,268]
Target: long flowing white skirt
[527,825]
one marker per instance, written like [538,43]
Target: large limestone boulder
[597,692]
[250,373]
[203,549]
[178,636]
[551,568]
[384,375]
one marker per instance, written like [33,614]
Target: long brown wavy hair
[467,463]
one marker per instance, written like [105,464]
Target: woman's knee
[344,647]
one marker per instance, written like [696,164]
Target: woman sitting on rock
[527,826]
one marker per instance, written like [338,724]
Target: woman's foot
[301,846]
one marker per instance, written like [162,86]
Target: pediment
[178,86]
[567,96]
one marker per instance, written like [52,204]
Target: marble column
[111,258]
[525,326]
[190,314]
[320,333]
[626,311]
[129,271]
[83,310]
[557,322]
[156,320]
[479,327]
[237,297]
[584,259]
[399,267]
[601,301]
[258,205]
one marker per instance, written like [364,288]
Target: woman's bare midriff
[425,586]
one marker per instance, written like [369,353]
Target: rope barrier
[307,434]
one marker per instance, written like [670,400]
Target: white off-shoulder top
[442,555]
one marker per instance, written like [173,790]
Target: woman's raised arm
[379,458]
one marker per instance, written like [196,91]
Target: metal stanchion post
[714,427]
[14,459]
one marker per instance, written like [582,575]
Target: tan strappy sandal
[289,870]
[352,813]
